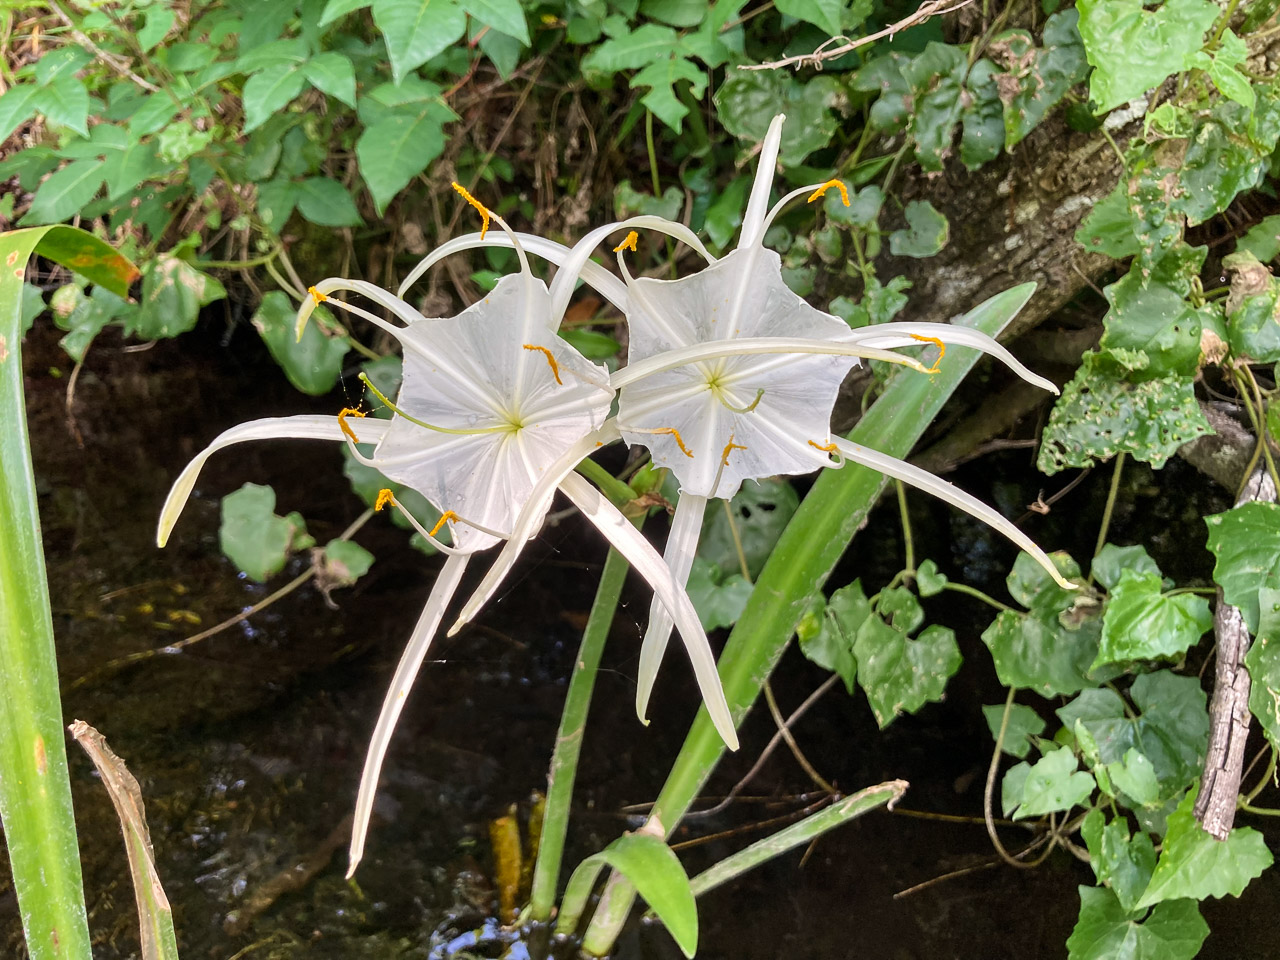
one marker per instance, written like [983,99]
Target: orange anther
[844,191]
[728,448]
[829,448]
[628,244]
[444,518]
[555,367]
[344,427]
[942,350]
[679,440]
[385,496]
[484,211]
[316,295]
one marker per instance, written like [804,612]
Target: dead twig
[827,52]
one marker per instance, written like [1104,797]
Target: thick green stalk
[573,721]
[35,790]
[804,557]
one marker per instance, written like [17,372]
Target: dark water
[249,745]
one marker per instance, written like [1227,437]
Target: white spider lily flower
[699,392]
[490,399]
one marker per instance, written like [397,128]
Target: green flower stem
[1107,510]
[564,759]
[35,789]
[762,851]
[977,594]
[799,565]
[573,720]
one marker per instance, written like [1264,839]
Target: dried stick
[1229,710]
[826,52]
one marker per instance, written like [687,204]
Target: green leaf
[1024,724]
[84,317]
[1100,414]
[830,645]
[158,23]
[332,73]
[1141,623]
[400,139]
[179,141]
[1133,49]
[1035,651]
[312,364]
[1030,584]
[1154,318]
[416,30]
[503,15]
[1136,776]
[930,581]
[173,291]
[632,50]
[1053,783]
[823,14]
[661,76]
[344,563]
[926,233]
[892,109]
[125,169]
[628,201]
[1219,164]
[655,871]
[1171,728]
[592,344]
[1246,542]
[1263,661]
[983,117]
[1109,227]
[899,674]
[65,102]
[336,9]
[749,99]
[32,306]
[254,538]
[1113,560]
[65,193]
[937,78]
[760,512]
[1231,53]
[1123,864]
[724,215]
[1107,931]
[17,104]
[1036,80]
[675,13]
[1253,311]
[1262,240]
[719,598]
[1194,865]
[269,91]
[327,203]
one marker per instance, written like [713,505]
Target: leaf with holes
[900,674]
[761,512]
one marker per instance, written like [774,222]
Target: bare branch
[826,52]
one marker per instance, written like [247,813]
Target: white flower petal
[529,519]
[609,286]
[406,671]
[905,334]
[563,283]
[682,543]
[924,480]
[305,427]
[628,541]
[758,204]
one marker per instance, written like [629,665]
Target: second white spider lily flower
[731,376]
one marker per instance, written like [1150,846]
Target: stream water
[248,745]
